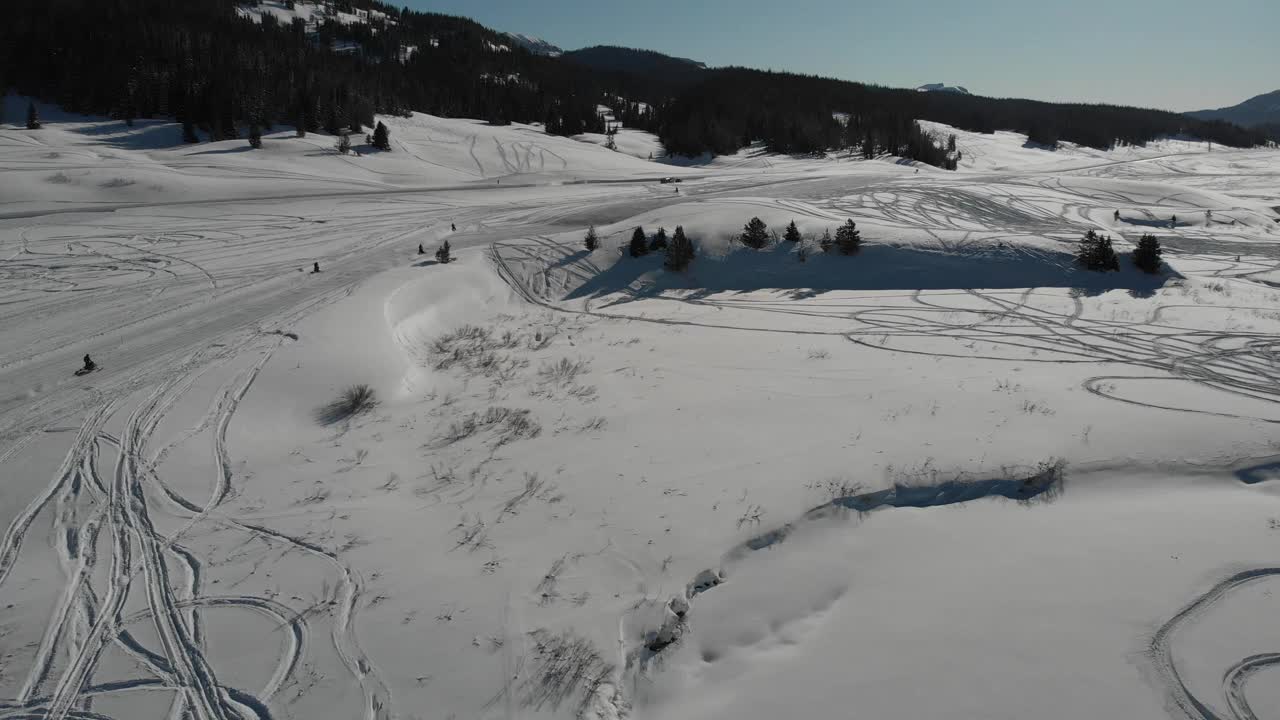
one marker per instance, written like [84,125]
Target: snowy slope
[309,13]
[96,161]
[537,46]
[943,87]
[951,476]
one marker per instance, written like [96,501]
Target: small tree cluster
[1096,253]
[343,144]
[679,251]
[592,241]
[639,246]
[33,117]
[659,241]
[755,234]
[442,255]
[255,136]
[1147,255]
[827,243]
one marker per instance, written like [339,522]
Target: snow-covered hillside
[310,13]
[537,46]
[943,87]
[953,475]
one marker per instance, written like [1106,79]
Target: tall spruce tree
[793,233]
[755,234]
[591,242]
[827,243]
[679,251]
[382,137]
[848,239]
[1095,253]
[659,242]
[639,243]
[1147,254]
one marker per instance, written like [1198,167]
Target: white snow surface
[950,476]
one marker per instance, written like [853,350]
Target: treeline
[733,107]
[200,62]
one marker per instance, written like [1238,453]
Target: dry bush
[353,401]
[563,372]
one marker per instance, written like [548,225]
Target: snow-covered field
[952,476]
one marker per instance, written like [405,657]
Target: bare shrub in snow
[475,349]
[118,182]
[562,372]
[58,178]
[1036,408]
[354,400]
[508,425]
[565,666]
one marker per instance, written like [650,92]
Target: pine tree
[591,242]
[1147,255]
[442,255]
[793,233]
[382,137]
[679,251]
[33,117]
[755,234]
[848,239]
[639,244]
[827,243]
[659,241]
[189,132]
[255,136]
[1096,253]
[343,144]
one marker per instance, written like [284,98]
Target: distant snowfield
[952,476]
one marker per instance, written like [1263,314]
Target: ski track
[93,516]
[83,624]
[1161,653]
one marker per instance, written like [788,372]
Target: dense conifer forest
[208,66]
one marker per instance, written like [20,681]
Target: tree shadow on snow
[1259,473]
[876,267]
[226,151]
[144,135]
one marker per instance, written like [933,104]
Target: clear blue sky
[1173,54]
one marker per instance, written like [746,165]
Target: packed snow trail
[1235,678]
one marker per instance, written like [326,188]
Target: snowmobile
[89,366]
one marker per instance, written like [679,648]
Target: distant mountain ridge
[535,45]
[943,87]
[1256,111]
[611,58]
